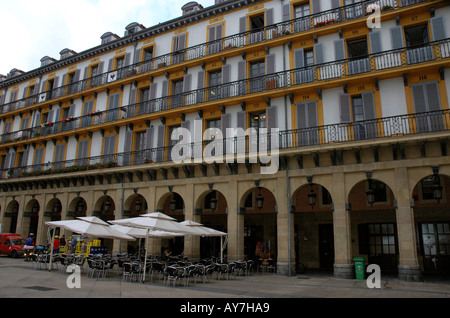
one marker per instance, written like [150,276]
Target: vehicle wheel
[14,254]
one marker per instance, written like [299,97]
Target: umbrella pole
[51,248]
[145,259]
[221,249]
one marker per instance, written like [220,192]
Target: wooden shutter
[272,121]
[187,83]
[419,98]
[270,64]
[344,106]
[286,9]
[438,28]
[299,58]
[149,138]
[226,123]
[269,17]
[339,49]
[242,120]
[24,162]
[375,41]
[318,54]
[137,56]
[397,37]
[315,6]
[433,99]
[83,147]
[368,105]
[242,24]
[59,154]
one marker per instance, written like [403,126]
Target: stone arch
[432,222]
[373,223]
[260,223]
[311,207]
[104,208]
[134,205]
[216,219]
[31,216]
[76,208]
[10,216]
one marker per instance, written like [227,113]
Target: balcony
[419,124]
[313,22]
[373,65]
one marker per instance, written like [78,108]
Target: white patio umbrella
[92,226]
[156,221]
[208,232]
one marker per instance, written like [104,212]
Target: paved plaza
[19,279]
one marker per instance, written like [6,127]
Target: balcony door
[427,106]
[417,40]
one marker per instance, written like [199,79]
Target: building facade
[350,97]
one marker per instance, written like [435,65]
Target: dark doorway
[326,246]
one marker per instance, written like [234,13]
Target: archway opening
[432,219]
[212,206]
[374,224]
[259,207]
[313,227]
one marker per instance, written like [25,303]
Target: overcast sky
[33,29]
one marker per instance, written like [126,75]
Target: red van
[12,244]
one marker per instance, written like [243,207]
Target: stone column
[343,264]
[191,243]
[408,268]
[235,224]
[285,230]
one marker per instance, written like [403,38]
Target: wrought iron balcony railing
[404,125]
[303,24]
[372,63]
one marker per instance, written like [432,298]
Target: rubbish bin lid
[359,259]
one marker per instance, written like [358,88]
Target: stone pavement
[19,279]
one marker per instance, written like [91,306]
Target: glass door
[435,239]
[383,246]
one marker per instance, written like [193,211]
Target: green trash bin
[360,268]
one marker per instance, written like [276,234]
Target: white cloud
[34,29]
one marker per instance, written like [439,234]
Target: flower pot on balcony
[271,84]
[161,65]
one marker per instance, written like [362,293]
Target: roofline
[200,15]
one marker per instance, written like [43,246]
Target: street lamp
[173,204]
[138,205]
[312,198]
[370,193]
[107,206]
[437,188]
[259,200]
[213,202]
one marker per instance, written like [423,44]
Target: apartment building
[346,108]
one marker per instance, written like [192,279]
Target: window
[357,48]
[416,35]
[258,120]
[302,10]
[177,93]
[256,29]
[215,79]
[427,106]
[257,69]
[120,63]
[113,107]
[148,54]
[364,115]
[416,39]
[358,53]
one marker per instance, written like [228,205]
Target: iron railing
[313,21]
[247,144]
[331,70]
